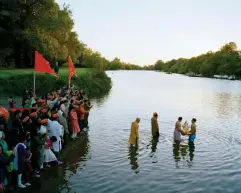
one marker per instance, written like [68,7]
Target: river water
[105,163]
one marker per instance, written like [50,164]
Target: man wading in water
[133,140]
[154,125]
[192,134]
[178,131]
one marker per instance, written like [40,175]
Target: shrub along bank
[93,83]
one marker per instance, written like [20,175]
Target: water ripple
[157,165]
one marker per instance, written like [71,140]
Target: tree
[26,26]
[115,64]
[229,47]
[159,65]
[226,61]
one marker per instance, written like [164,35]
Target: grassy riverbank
[14,81]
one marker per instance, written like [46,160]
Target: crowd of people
[180,130]
[39,130]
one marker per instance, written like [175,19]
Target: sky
[144,31]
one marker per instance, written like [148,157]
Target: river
[104,163]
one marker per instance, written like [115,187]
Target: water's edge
[49,180]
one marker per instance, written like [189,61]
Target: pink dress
[74,121]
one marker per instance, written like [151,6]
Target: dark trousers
[86,122]
[12,180]
[28,172]
[35,159]
[81,124]
[66,135]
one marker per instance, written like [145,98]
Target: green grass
[14,81]
[62,72]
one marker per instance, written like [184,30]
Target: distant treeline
[29,25]
[226,61]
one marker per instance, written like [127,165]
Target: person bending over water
[154,125]
[178,130]
[133,140]
[192,134]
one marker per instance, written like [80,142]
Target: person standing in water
[192,134]
[178,130]
[154,125]
[133,140]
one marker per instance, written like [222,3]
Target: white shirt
[63,108]
[55,129]
[42,130]
[52,103]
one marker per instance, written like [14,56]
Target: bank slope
[14,81]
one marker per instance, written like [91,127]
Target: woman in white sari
[55,134]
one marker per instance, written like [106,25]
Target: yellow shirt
[154,126]
[134,133]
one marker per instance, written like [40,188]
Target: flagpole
[34,73]
[34,77]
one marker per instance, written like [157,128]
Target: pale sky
[143,31]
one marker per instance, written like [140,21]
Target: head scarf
[76,102]
[34,114]
[45,110]
[55,116]
[4,113]
[25,119]
[40,101]
[50,96]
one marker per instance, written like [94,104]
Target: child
[49,156]
[186,128]
[20,160]
[11,102]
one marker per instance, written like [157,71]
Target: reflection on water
[75,159]
[154,142]
[99,101]
[191,151]
[133,156]
[224,105]
[180,152]
[57,179]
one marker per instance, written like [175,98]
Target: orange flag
[71,70]
[42,65]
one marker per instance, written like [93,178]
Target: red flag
[71,70]
[42,65]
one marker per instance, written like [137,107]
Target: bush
[92,83]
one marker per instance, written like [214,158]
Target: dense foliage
[28,25]
[226,61]
[117,64]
